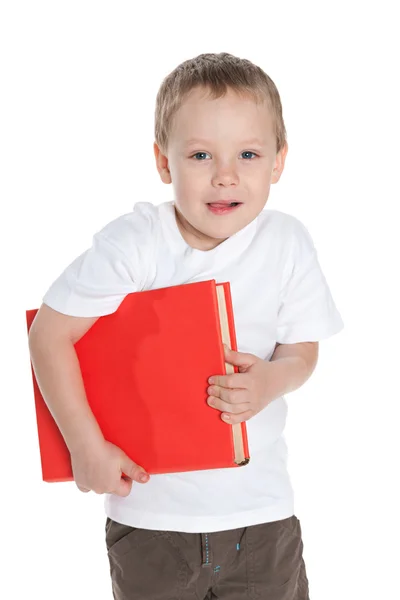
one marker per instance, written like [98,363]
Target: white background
[79,81]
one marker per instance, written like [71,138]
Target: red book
[145,369]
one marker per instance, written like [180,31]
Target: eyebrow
[206,142]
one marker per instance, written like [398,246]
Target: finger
[232,381]
[240,359]
[232,419]
[228,395]
[124,487]
[219,404]
[83,489]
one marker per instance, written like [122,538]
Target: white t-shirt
[279,294]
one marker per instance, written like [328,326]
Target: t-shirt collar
[238,242]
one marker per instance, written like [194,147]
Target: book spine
[229,310]
[213,287]
[232,332]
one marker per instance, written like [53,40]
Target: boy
[226,533]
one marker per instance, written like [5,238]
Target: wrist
[290,373]
[86,440]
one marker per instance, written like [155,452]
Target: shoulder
[136,228]
[280,221]
[285,229]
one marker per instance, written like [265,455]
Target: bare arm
[298,362]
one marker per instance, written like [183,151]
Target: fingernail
[143,477]
[226,417]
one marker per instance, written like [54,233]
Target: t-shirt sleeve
[97,281]
[307,312]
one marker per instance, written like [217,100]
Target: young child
[231,534]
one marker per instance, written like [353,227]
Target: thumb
[238,359]
[130,472]
[133,471]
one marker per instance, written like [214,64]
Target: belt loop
[205,550]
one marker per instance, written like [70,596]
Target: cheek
[259,175]
[259,183]
[191,179]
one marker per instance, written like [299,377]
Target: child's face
[219,149]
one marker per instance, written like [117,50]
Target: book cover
[145,370]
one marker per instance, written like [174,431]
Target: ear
[162,164]
[279,163]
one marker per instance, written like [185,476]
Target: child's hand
[242,395]
[100,467]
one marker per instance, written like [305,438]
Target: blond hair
[217,73]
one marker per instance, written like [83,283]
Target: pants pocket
[116,533]
[275,561]
[144,563]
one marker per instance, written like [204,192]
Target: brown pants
[258,562]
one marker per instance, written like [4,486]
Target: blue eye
[197,154]
[248,152]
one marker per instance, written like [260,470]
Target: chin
[224,232]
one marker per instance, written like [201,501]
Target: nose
[225,175]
